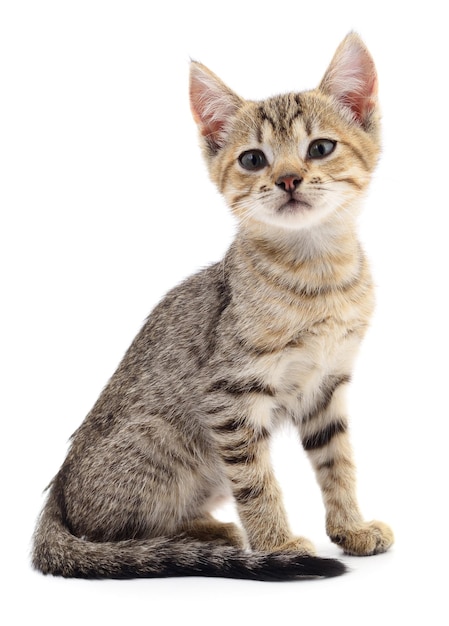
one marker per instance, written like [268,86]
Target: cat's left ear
[352,79]
[213,104]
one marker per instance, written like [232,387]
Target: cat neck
[323,245]
[272,274]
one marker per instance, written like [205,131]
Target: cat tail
[57,551]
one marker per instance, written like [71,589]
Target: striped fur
[267,335]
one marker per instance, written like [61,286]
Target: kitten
[268,334]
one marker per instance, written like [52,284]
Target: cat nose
[289,182]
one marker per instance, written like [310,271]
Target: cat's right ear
[213,105]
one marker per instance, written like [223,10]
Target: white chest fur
[297,374]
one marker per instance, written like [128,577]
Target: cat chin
[294,219]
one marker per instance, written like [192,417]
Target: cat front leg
[246,457]
[324,436]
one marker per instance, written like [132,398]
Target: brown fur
[268,334]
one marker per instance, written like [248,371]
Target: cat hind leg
[207,529]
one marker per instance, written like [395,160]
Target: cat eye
[321,148]
[253,160]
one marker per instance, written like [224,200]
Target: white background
[105,205]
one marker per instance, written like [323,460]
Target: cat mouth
[294,205]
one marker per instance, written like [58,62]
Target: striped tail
[56,551]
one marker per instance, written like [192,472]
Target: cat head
[295,160]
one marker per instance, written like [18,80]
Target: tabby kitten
[268,334]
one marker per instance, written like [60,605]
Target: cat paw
[301,545]
[364,540]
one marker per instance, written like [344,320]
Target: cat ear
[351,79]
[213,104]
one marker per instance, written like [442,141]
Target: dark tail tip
[325,568]
[284,566]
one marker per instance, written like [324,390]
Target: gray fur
[266,335]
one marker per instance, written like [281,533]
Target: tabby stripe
[236,426]
[285,288]
[265,117]
[232,425]
[309,127]
[324,437]
[292,288]
[224,176]
[348,180]
[239,387]
[358,154]
[327,394]
[327,465]
[244,457]
[217,409]
[292,118]
[256,350]
[235,201]
[247,494]
[244,449]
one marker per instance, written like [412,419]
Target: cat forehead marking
[282,117]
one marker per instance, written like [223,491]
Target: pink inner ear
[213,104]
[203,110]
[197,103]
[361,103]
[214,129]
[351,78]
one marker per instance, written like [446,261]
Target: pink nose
[289,182]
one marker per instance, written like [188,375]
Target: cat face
[295,160]
[292,161]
